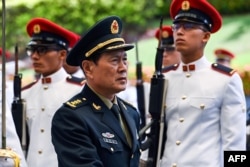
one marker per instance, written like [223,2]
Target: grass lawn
[233,35]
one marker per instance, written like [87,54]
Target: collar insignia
[185,5]
[96,106]
[36,29]
[114,27]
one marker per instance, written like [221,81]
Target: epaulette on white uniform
[169,68]
[75,80]
[223,69]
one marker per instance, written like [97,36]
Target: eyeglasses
[41,50]
[187,26]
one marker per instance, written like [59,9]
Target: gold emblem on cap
[165,34]
[114,27]
[185,5]
[36,29]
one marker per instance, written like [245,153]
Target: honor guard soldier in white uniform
[170,55]
[95,128]
[47,48]
[206,109]
[224,57]
[12,140]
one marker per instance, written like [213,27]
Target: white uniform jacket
[12,140]
[42,102]
[206,114]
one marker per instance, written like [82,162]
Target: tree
[78,16]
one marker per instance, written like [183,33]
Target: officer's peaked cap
[224,54]
[198,11]
[165,34]
[104,36]
[48,32]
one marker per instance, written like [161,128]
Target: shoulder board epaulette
[169,68]
[76,102]
[29,85]
[76,80]
[223,69]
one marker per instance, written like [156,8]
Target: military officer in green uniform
[87,130]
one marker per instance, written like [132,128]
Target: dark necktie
[116,111]
[46,80]
[190,67]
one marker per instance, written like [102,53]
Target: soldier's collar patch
[97,107]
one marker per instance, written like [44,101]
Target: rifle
[140,90]
[5,153]
[18,107]
[158,88]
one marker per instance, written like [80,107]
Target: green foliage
[79,15]
[245,76]
[233,36]
[231,7]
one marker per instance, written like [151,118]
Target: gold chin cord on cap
[101,45]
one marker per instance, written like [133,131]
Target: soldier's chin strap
[5,152]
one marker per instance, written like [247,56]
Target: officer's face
[48,61]
[109,75]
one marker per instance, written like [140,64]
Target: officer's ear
[206,36]
[63,54]
[88,67]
